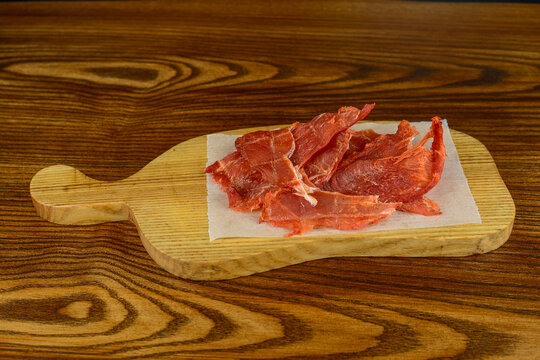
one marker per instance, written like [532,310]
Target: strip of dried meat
[317,133]
[385,145]
[360,138]
[244,186]
[262,147]
[268,152]
[421,205]
[400,178]
[324,163]
[335,210]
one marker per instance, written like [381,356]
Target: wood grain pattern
[106,87]
[166,200]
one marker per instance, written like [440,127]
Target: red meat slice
[339,211]
[244,186]
[385,145]
[359,139]
[258,143]
[317,133]
[397,178]
[324,163]
[268,152]
[421,205]
[391,144]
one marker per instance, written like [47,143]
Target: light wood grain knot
[135,74]
[76,309]
[54,310]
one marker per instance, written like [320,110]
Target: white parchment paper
[452,193]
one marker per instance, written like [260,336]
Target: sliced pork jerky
[268,152]
[360,138]
[244,186]
[400,178]
[385,145]
[324,163]
[421,205]
[317,133]
[335,210]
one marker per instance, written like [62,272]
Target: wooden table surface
[108,86]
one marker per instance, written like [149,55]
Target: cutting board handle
[64,195]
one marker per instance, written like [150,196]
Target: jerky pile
[322,173]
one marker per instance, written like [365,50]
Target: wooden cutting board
[166,200]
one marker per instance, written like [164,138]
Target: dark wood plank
[108,86]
